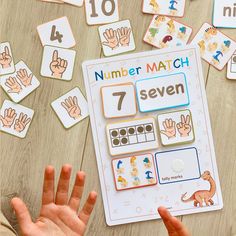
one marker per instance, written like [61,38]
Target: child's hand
[173,225]
[59,215]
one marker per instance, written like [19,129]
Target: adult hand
[8,118]
[111,38]
[169,126]
[24,78]
[59,215]
[72,107]
[58,65]
[5,58]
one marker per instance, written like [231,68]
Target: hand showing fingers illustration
[24,78]
[5,58]
[13,85]
[8,118]
[184,127]
[111,38]
[124,36]
[21,122]
[169,126]
[72,107]
[58,65]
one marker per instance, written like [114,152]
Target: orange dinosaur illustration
[203,195]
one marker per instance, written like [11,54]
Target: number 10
[103,8]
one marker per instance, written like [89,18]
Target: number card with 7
[119,100]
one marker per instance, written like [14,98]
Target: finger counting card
[176,128]
[119,100]
[162,92]
[164,32]
[57,33]
[6,59]
[164,7]
[132,136]
[78,3]
[15,119]
[134,172]
[178,165]
[117,38]
[224,14]
[58,63]
[71,108]
[231,67]
[215,47]
[101,11]
[19,84]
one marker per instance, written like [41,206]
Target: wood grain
[22,162]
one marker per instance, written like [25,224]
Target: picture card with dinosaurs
[224,13]
[176,128]
[178,165]
[57,33]
[164,32]
[123,100]
[71,108]
[58,63]
[185,164]
[231,67]
[101,11]
[19,84]
[117,38]
[78,3]
[15,119]
[164,7]
[215,47]
[7,65]
[134,172]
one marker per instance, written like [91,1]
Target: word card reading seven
[231,67]
[57,33]
[6,59]
[134,172]
[123,100]
[178,165]
[162,92]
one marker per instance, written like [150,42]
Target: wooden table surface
[47,142]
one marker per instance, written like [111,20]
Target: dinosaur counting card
[215,47]
[152,134]
[164,32]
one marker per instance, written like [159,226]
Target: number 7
[121,99]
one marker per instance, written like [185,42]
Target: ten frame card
[186,167]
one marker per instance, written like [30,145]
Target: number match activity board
[152,134]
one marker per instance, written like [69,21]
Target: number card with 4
[57,33]
[101,11]
[119,100]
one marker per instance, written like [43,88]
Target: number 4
[55,35]
[121,99]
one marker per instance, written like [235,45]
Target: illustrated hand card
[58,63]
[57,33]
[224,14]
[176,128]
[164,7]
[19,84]
[122,98]
[78,3]
[15,119]
[6,59]
[134,172]
[164,32]
[231,67]
[101,11]
[215,47]
[117,38]
[71,108]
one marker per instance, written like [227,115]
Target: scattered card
[71,108]
[57,33]
[6,59]
[101,11]
[78,3]
[164,7]
[119,100]
[176,128]
[164,32]
[117,38]
[215,47]
[15,119]
[58,63]
[134,172]
[231,67]
[19,84]
[224,13]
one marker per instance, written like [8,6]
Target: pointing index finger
[55,55]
